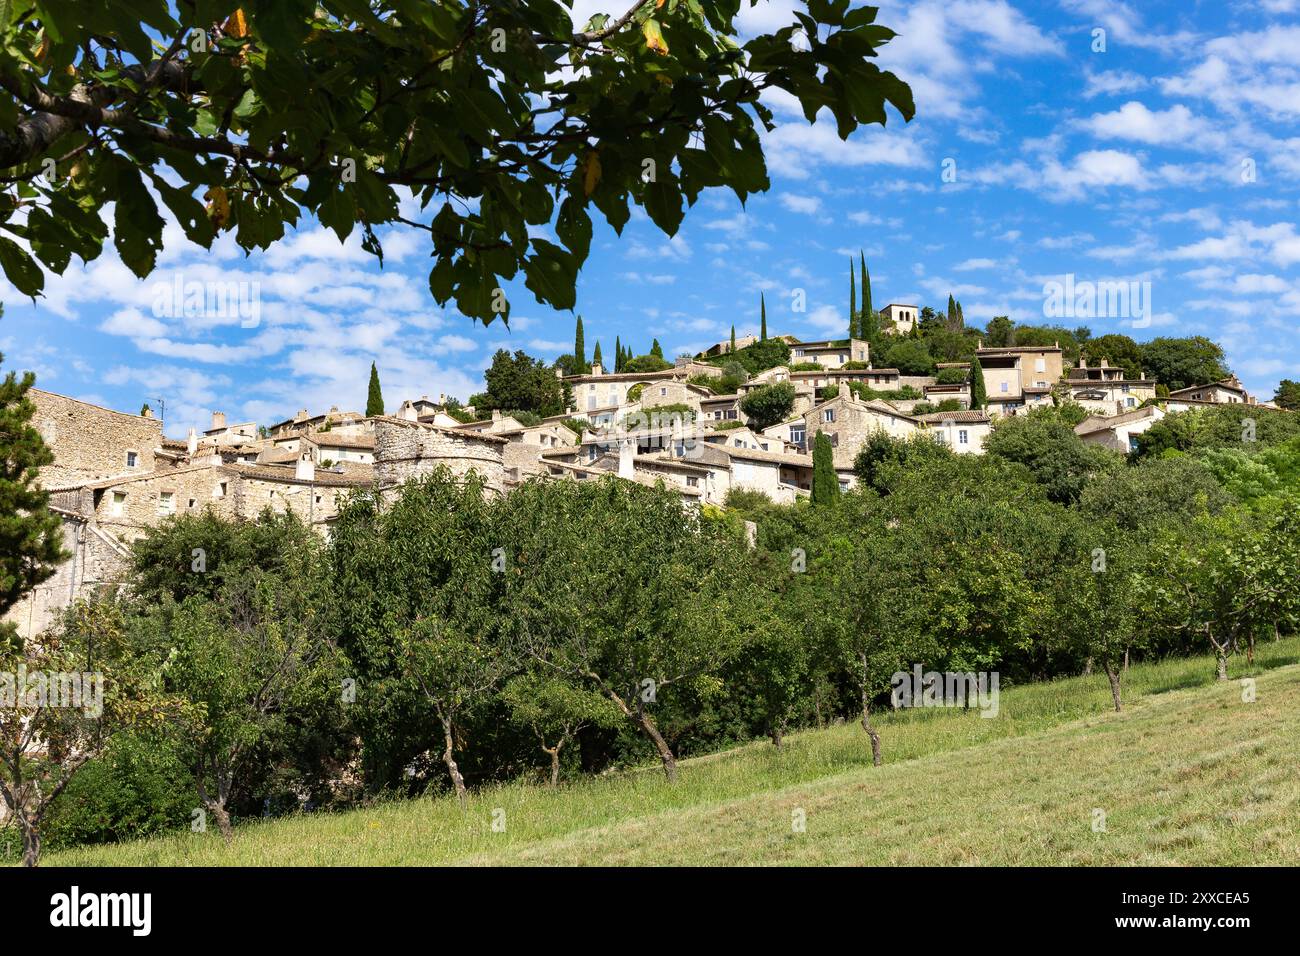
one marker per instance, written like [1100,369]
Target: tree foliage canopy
[496,116]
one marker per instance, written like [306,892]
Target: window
[1132,443]
[591,402]
[663,391]
[166,503]
[844,484]
[119,503]
[828,415]
[1040,365]
[797,435]
[963,437]
[1124,389]
[131,459]
[1130,402]
[1006,387]
[219,491]
[193,502]
[692,481]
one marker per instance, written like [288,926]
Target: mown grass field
[1188,774]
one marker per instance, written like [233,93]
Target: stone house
[964,432]
[91,442]
[1118,432]
[896,319]
[1230,391]
[849,421]
[1019,377]
[1105,389]
[830,354]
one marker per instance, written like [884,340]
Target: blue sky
[1171,157]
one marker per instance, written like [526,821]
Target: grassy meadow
[1189,773]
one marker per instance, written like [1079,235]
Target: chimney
[146,412]
[979,343]
[596,369]
[305,470]
[442,399]
[407,412]
[302,415]
[1105,363]
[496,414]
[218,420]
[626,455]
[192,442]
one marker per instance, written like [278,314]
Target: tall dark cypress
[618,355]
[580,346]
[826,484]
[867,307]
[854,325]
[375,398]
[762,311]
[595,355]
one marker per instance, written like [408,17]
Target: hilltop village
[684,426]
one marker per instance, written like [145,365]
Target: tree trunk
[31,840]
[222,816]
[648,727]
[777,733]
[449,758]
[1113,675]
[1126,660]
[1087,667]
[554,753]
[871,731]
[1223,666]
[1277,632]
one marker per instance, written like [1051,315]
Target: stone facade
[406,450]
[90,442]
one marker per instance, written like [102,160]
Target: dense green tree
[374,396]
[501,116]
[596,357]
[646,363]
[556,710]
[826,483]
[1287,395]
[660,608]
[998,332]
[522,382]
[1056,457]
[47,738]
[1118,350]
[1098,602]
[1180,362]
[30,535]
[910,357]
[768,405]
[656,349]
[883,459]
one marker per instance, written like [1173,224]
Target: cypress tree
[951,317]
[762,310]
[867,308]
[375,398]
[978,396]
[656,350]
[618,355]
[30,534]
[961,318]
[580,347]
[825,485]
[854,325]
[595,355]
[733,338]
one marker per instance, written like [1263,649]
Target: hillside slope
[1189,773]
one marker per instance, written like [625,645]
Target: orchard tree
[556,711]
[65,714]
[1287,395]
[662,603]
[1096,605]
[499,118]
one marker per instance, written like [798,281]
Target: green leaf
[20,269]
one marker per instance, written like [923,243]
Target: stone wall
[90,442]
[96,562]
[406,450]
